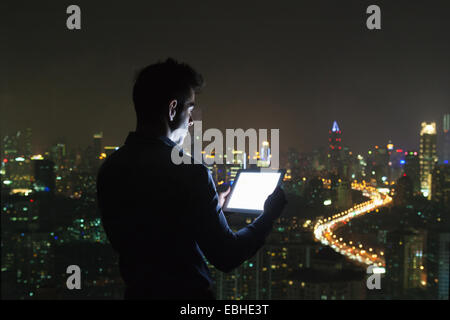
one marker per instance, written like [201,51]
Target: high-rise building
[396,162]
[444,268]
[411,169]
[16,167]
[378,165]
[438,260]
[405,262]
[58,153]
[26,145]
[44,176]
[17,172]
[319,159]
[294,164]
[444,152]
[265,275]
[98,137]
[403,191]
[446,122]
[343,195]
[264,155]
[18,144]
[427,156]
[314,193]
[335,149]
[440,187]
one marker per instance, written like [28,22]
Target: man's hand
[223,196]
[275,203]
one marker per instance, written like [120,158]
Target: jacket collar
[138,138]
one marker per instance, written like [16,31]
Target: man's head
[164,96]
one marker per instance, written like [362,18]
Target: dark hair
[157,84]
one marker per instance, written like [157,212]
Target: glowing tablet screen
[251,190]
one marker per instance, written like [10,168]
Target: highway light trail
[325,228]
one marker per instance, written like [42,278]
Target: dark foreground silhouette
[162,218]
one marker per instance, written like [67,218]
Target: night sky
[292,65]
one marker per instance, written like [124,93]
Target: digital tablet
[251,189]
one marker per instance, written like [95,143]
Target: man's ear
[172,109]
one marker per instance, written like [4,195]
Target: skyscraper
[44,176]
[427,156]
[18,144]
[26,143]
[396,162]
[444,263]
[444,152]
[405,262]
[378,165]
[98,137]
[412,169]
[437,257]
[335,149]
[264,155]
[440,190]
[97,151]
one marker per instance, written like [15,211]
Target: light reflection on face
[183,120]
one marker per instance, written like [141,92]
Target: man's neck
[154,131]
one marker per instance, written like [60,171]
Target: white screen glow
[252,189]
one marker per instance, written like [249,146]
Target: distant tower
[427,156]
[446,122]
[58,153]
[44,176]
[335,149]
[98,137]
[19,145]
[97,151]
[445,145]
[27,148]
[412,170]
[264,155]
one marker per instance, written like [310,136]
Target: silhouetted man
[163,218]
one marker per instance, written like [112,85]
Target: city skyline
[364,139]
[291,266]
[41,148]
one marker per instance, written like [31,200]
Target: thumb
[225,193]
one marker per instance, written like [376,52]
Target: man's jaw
[179,138]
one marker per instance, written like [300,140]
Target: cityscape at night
[355,98]
[387,207]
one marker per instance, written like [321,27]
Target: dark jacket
[162,218]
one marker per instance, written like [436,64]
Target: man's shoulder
[114,158]
[198,171]
[116,164]
[126,160]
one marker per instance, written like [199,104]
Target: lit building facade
[335,149]
[440,190]
[444,156]
[405,262]
[427,156]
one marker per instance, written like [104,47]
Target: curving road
[324,228]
